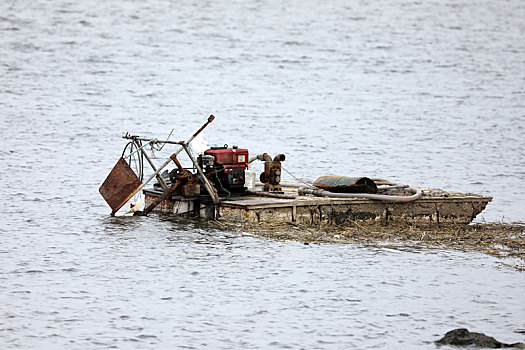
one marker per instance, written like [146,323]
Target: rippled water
[427,93]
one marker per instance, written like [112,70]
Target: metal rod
[159,178]
[164,196]
[210,119]
[131,137]
[211,190]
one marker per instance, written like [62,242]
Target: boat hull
[434,207]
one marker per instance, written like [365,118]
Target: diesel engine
[225,167]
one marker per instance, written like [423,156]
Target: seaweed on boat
[497,239]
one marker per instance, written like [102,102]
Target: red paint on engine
[229,156]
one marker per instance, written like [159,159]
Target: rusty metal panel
[119,185]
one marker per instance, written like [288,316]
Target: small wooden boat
[221,185]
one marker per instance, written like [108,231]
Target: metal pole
[211,190]
[159,178]
[131,137]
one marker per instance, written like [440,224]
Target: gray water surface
[426,93]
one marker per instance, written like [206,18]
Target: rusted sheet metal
[119,185]
[344,184]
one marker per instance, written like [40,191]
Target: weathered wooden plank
[309,202]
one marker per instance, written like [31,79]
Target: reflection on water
[425,93]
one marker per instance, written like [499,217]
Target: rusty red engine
[225,168]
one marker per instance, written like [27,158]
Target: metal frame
[156,171]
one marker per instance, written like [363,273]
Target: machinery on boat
[225,167]
[220,184]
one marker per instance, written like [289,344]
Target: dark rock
[462,337]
